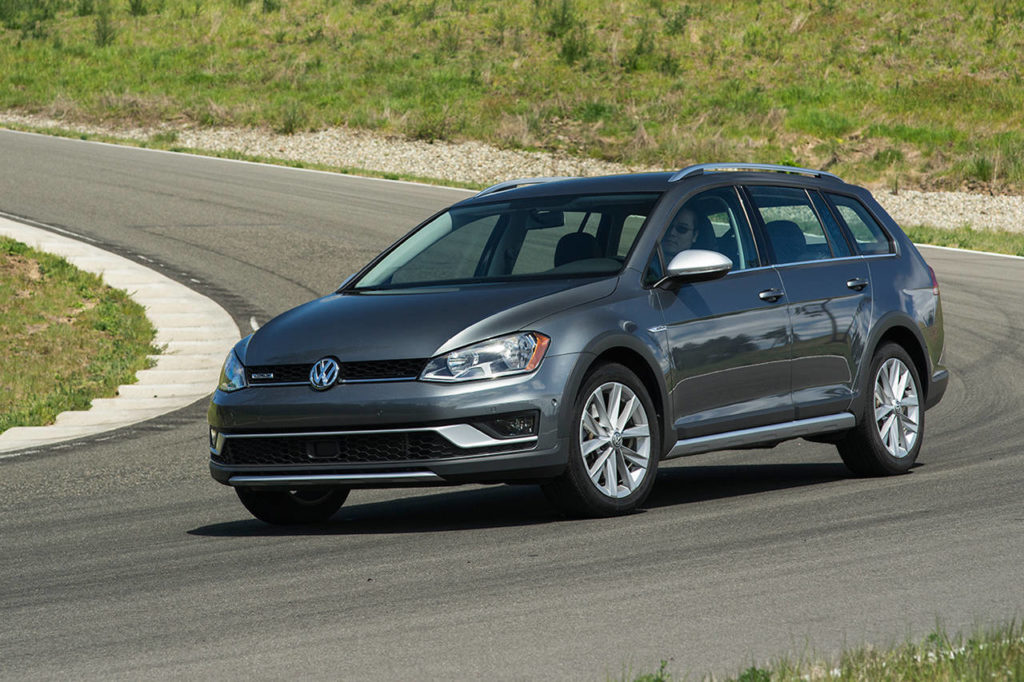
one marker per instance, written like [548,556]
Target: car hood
[412,323]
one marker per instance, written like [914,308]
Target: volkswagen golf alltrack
[573,333]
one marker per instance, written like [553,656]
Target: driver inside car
[689,230]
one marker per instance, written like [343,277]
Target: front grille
[382,369]
[345,449]
[374,370]
[279,374]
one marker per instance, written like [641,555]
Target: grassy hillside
[924,93]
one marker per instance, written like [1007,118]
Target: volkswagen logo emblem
[324,374]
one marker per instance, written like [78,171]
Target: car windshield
[574,235]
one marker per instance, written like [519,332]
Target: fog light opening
[516,425]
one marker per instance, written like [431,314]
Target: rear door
[828,290]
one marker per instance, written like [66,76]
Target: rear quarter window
[867,233]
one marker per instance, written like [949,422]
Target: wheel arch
[635,356]
[903,337]
[904,333]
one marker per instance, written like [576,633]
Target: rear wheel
[888,436]
[613,456]
[292,507]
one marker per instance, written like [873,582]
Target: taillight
[935,282]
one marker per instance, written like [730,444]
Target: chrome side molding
[763,434]
[335,479]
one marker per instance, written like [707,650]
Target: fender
[648,351]
[888,322]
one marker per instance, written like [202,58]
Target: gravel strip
[955,209]
[474,162]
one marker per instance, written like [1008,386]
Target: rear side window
[791,224]
[866,231]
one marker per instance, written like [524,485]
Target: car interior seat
[575,246]
[704,237]
[787,240]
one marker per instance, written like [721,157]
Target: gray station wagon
[572,333]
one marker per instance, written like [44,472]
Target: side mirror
[697,265]
[345,282]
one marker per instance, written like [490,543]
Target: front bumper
[523,467]
[390,434]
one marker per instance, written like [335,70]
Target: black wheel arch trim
[621,342]
[919,354]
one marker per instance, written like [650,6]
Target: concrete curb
[196,334]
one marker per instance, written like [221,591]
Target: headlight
[232,376]
[500,357]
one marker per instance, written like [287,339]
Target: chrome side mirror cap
[697,265]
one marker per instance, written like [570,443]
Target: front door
[729,338]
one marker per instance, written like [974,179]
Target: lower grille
[345,449]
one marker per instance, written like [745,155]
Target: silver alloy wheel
[615,439]
[897,408]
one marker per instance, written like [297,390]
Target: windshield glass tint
[529,238]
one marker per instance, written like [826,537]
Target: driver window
[714,221]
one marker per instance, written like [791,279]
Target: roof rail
[521,182]
[702,168]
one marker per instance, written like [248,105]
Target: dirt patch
[21,267]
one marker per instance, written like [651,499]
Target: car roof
[546,187]
[692,176]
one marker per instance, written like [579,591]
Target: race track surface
[121,558]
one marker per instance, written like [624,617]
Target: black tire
[575,491]
[863,449]
[292,507]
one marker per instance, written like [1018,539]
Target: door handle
[857,283]
[771,295]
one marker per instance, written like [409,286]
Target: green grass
[996,241]
[864,89]
[65,337]
[995,655]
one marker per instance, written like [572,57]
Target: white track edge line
[970,251]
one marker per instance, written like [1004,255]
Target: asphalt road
[121,558]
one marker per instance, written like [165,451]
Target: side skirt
[763,434]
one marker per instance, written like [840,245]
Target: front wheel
[888,436]
[292,507]
[614,449]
